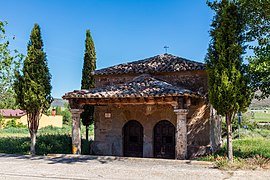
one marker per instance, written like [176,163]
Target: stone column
[76,131]
[181,134]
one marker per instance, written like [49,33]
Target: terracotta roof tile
[12,112]
[142,86]
[160,63]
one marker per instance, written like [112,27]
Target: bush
[1,121]
[13,123]
[46,144]
[67,117]
[13,145]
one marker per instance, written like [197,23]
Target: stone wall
[108,131]
[198,126]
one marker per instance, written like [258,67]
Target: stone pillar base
[76,131]
[181,134]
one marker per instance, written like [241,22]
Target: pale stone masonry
[156,107]
[181,133]
[76,133]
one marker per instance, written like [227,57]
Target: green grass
[251,153]
[252,143]
[50,140]
[246,148]
[250,147]
[262,117]
[23,132]
[14,132]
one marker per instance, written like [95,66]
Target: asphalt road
[98,167]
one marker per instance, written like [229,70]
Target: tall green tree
[58,110]
[9,62]
[256,15]
[229,90]
[33,86]
[88,81]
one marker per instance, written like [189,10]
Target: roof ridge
[159,63]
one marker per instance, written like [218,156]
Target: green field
[262,116]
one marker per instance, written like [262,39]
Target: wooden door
[133,139]
[164,140]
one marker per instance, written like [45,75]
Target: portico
[143,113]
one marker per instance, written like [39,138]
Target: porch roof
[143,86]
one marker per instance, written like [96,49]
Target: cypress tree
[88,81]
[33,86]
[227,79]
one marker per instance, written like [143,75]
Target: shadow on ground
[66,159]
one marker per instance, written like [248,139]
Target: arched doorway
[164,140]
[133,139]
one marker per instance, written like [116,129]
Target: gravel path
[98,167]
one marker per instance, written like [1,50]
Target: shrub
[46,144]
[13,145]
[67,117]
[13,123]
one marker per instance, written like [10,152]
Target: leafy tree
[256,15]
[58,110]
[32,87]
[9,61]
[228,83]
[1,120]
[67,116]
[88,80]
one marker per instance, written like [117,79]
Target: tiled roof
[12,113]
[142,86]
[160,63]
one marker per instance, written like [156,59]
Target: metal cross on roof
[166,48]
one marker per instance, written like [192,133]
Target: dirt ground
[100,167]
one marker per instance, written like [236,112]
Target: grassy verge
[246,148]
[251,152]
[49,140]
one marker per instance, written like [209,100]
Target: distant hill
[58,102]
[256,104]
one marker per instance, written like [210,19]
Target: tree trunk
[229,137]
[33,143]
[33,122]
[86,133]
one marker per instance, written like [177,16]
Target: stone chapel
[155,107]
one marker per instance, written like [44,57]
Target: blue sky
[122,30]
